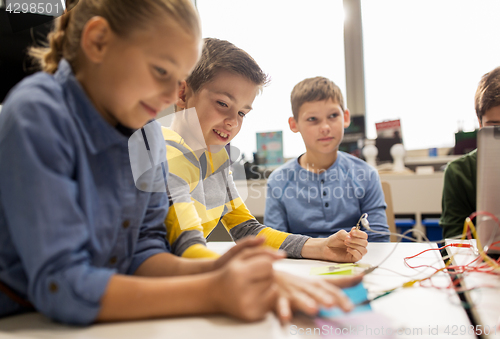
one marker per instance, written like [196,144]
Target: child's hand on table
[309,294]
[356,242]
[244,245]
[339,247]
[245,285]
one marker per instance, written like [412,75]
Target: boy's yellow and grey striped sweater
[202,192]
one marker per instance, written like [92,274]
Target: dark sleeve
[457,199]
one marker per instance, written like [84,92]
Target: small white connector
[365,223]
[363,220]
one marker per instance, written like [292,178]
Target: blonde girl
[78,241]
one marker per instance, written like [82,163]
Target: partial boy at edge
[324,190]
[460,176]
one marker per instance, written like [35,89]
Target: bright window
[291,41]
[423,61]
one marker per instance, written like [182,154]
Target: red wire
[492,216]
[459,269]
[433,249]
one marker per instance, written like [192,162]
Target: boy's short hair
[488,93]
[221,55]
[314,89]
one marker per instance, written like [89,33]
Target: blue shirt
[70,214]
[321,204]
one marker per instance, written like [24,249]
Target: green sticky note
[339,269]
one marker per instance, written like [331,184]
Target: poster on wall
[389,129]
[270,148]
[388,134]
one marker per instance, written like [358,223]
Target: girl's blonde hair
[123,16]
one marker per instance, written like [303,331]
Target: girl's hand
[245,285]
[247,243]
[309,294]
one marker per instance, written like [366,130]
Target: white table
[485,301]
[416,309]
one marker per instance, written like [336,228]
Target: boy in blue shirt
[324,190]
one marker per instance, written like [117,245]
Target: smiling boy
[216,97]
[324,190]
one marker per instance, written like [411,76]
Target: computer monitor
[488,186]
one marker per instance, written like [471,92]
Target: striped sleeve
[240,223]
[182,222]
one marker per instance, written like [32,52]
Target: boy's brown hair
[487,93]
[221,55]
[315,89]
